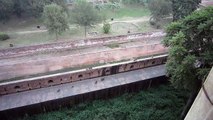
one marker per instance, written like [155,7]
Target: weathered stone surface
[202,109]
[10,68]
[71,89]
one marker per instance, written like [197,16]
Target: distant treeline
[24,7]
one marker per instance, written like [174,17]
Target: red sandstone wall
[52,64]
[28,50]
[47,81]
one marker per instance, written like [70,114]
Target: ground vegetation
[160,103]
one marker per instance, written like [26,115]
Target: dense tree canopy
[159,9]
[28,7]
[191,48]
[190,43]
[6,8]
[55,19]
[84,14]
[182,8]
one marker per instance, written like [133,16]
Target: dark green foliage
[3,36]
[55,19]
[162,103]
[159,10]
[18,7]
[191,49]
[84,14]
[113,6]
[27,7]
[110,5]
[6,8]
[106,28]
[182,8]
[36,7]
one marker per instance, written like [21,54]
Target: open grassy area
[125,13]
[118,28]
[160,103]
[20,24]
[19,40]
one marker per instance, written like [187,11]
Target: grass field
[127,11]
[160,103]
[15,26]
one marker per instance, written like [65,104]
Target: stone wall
[73,76]
[59,46]
[202,108]
[63,62]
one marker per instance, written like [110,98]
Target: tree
[159,9]
[190,51]
[35,7]
[85,15]
[27,7]
[182,8]
[55,19]
[6,8]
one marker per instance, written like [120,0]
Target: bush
[4,36]
[106,28]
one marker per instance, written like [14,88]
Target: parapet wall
[73,76]
[54,63]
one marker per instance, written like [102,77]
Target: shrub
[106,28]
[4,36]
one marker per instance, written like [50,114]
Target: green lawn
[145,27]
[20,24]
[129,12]
[40,38]
[160,103]
[19,40]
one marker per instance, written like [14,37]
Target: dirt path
[135,20]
